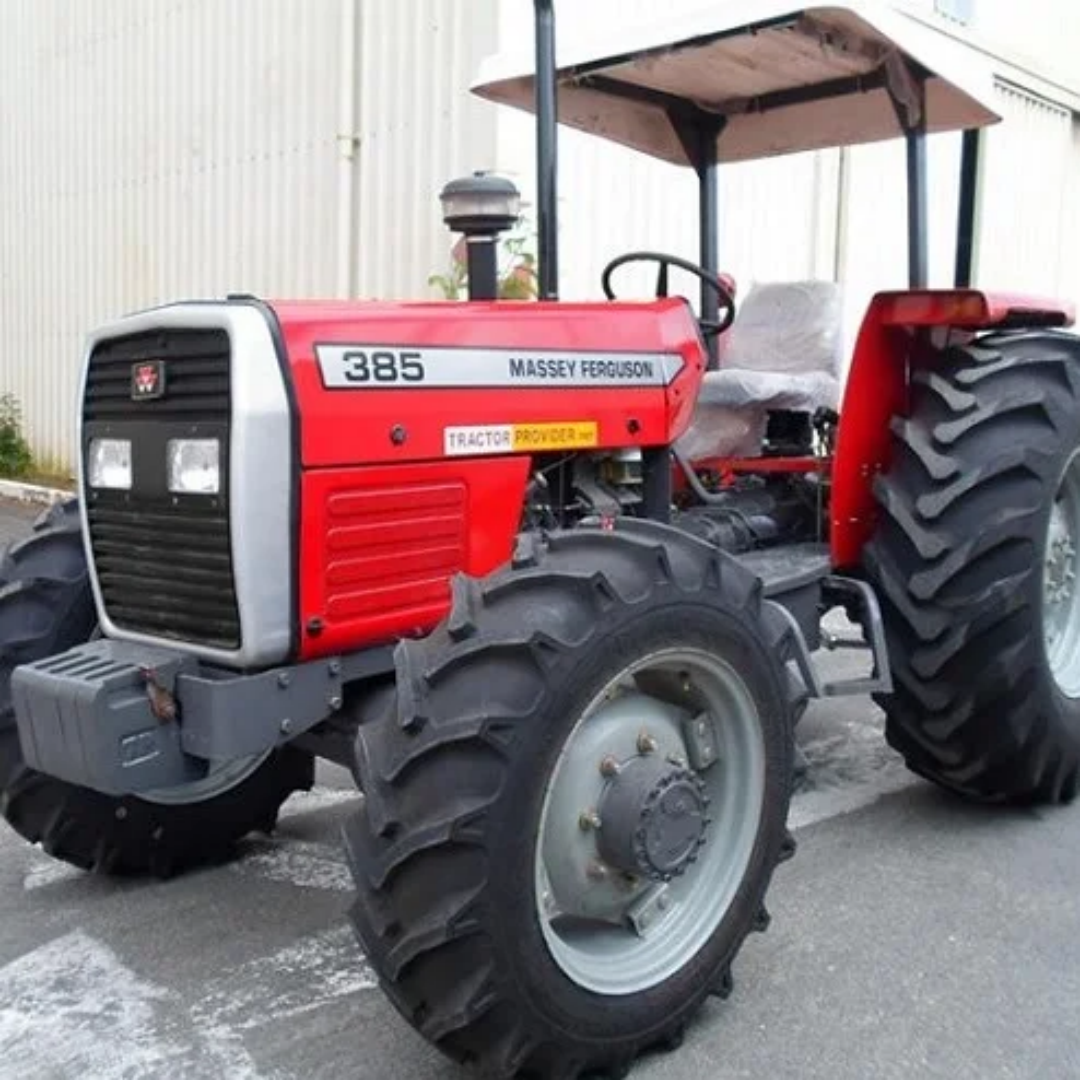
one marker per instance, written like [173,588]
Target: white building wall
[1032,179]
[150,152]
[1071,224]
[156,151]
[873,239]
[1042,33]
[417,128]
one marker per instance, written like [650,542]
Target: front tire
[46,607]
[511,721]
[974,556]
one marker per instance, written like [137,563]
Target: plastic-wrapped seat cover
[782,353]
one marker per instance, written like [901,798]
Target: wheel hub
[653,816]
[632,876]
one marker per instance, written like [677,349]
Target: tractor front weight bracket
[123,718]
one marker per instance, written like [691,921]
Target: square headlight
[194,466]
[109,464]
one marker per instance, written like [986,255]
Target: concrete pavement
[912,936]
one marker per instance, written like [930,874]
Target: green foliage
[15,457]
[517,273]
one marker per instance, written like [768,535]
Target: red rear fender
[877,386]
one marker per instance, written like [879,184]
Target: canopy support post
[708,173]
[547,144]
[918,210]
[698,131]
[906,85]
[970,168]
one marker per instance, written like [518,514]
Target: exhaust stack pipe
[547,165]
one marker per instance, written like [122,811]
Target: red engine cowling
[417,423]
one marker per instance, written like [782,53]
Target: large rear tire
[975,559]
[46,606]
[530,763]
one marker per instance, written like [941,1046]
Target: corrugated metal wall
[418,128]
[1029,235]
[155,151]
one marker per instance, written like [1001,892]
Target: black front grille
[166,570]
[196,380]
[163,561]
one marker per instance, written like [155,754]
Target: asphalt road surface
[912,936]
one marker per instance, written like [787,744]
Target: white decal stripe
[489,439]
[371,367]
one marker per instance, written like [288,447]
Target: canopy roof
[782,78]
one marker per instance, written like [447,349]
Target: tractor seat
[781,353]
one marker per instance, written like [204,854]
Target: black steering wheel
[727,300]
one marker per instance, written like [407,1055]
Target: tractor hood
[784,78]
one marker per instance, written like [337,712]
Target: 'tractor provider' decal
[520,438]
[370,367]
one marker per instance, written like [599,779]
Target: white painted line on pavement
[71,1008]
[318,798]
[316,971]
[303,863]
[44,870]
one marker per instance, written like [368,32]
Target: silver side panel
[260,472]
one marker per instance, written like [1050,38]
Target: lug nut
[589,819]
[609,767]
[597,871]
[646,744]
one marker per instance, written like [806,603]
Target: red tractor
[549,579]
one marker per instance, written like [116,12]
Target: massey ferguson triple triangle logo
[147,380]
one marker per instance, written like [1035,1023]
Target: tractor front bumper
[124,718]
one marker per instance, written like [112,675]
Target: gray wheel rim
[639,933]
[1061,602]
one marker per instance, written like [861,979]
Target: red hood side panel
[400,420]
